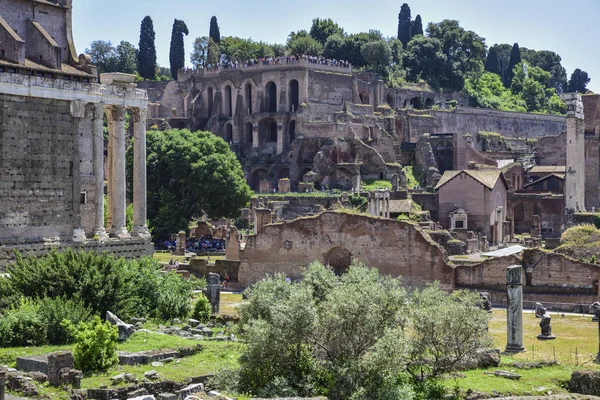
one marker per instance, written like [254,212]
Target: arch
[340,178]
[210,97]
[364,98]
[391,100]
[283,173]
[444,154]
[271,97]
[294,93]
[248,97]
[249,134]
[228,102]
[339,259]
[228,133]
[256,176]
[429,102]
[267,130]
[415,102]
[292,131]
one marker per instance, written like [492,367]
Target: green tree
[396,48]
[321,29]
[487,91]
[177,50]
[334,47]
[492,64]
[377,55]
[503,53]
[278,49]
[189,174]
[147,49]
[199,53]
[126,58]
[103,55]
[532,85]
[416,27]
[213,53]
[579,81]
[305,45]
[515,58]
[550,62]
[404,25]
[214,32]
[424,59]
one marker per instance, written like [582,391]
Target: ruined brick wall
[489,274]
[329,88]
[38,139]
[394,248]
[551,150]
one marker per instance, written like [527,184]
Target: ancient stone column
[109,172]
[2,383]
[514,310]
[575,176]
[140,228]
[116,114]
[213,291]
[255,136]
[77,112]
[279,138]
[98,137]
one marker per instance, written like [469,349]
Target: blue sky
[569,28]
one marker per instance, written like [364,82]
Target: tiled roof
[10,30]
[487,177]
[543,169]
[401,206]
[32,66]
[45,34]
[559,176]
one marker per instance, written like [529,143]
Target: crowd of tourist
[278,61]
[202,244]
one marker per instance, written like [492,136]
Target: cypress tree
[404,25]
[515,58]
[416,27]
[492,64]
[147,49]
[214,32]
[177,52]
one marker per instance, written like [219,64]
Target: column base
[100,234]
[79,236]
[120,233]
[546,337]
[140,231]
[513,348]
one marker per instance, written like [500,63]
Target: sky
[567,27]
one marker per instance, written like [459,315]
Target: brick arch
[249,101]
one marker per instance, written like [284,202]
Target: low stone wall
[221,267]
[131,248]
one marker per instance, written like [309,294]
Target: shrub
[202,309]
[23,325]
[174,298]
[95,344]
[54,311]
[8,294]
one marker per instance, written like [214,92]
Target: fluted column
[98,164]
[139,173]
[116,115]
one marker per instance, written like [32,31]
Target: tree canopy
[190,174]
[578,82]
[214,32]
[147,55]
[177,51]
[405,25]
[322,29]
[108,58]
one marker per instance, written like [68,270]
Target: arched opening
[391,100]
[249,135]
[444,154]
[415,102]
[271,97]
[292,131]
[429,102]
[339,259]
[294,96]
[267,130]
[227,104]
[364,98]
[283,173]
[209,100]
[248,96]
[228,133]
[341,178]
[255,178]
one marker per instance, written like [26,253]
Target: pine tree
[404,25]
[515,58]
[492,64]
[214,32]
[416,28]
[147,50]
[177,52]
[579,81]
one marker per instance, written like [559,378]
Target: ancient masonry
[52,152]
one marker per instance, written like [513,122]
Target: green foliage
[486,90]
[54,310]
[174,298]
[8,294]
[515,59]
[550,62]
[405,25]
[177,48]
[23,325]
[241,50]
[411,180]
[425,60]
[359,202]
[579,81]
[355,336]
[377,56]
[305,45]
[190,173]
[213,53]
[492,64]
[322,29]
[532,85]
[107,58]
[416,27]
[214,32]
[199,54]
[95,344]
[371,184]
[147,54]
[202,309]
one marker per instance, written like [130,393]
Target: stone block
[125,330]
[265,187]
[189,390]
[284,186]
[56,363]
[167,396]
[33,364]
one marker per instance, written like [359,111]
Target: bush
[95,344]
[202,309]
[54,311]
[8,294]
[174,298]
[23,325]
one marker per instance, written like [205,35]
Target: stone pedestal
[213,291]
[284,186]
[181,244]
[514,311]
[262,217]
[546,326]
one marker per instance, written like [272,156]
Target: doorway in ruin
[339,259]
[228,133]
[228,103]
[249,135]
[294,95]
[292,131]
[209,100]
[257,176]
[444,154]
[248,95]
[271,97]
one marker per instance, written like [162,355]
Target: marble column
[98,163]
[116,114]
[279,138]
[109,172]
[255,136]
[140,228]
[514,310]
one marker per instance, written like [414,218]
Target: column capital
[98,110]
[115,113]
[77,109]
[139,115]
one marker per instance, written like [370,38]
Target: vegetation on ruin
[581,242]
[190,174]
[411,180]
[374,184]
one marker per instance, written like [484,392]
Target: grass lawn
[229,302]
[575,347]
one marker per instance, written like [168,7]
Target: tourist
[226,280]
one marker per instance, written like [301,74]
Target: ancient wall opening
[257,176]
[228,103]
[444,154]
[268,131]
[294,95]
[271,97]
[339,259]
[228,133]
[249,135]
[292,131]
[248,97]
[210,96]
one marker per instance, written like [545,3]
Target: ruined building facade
[52,140]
